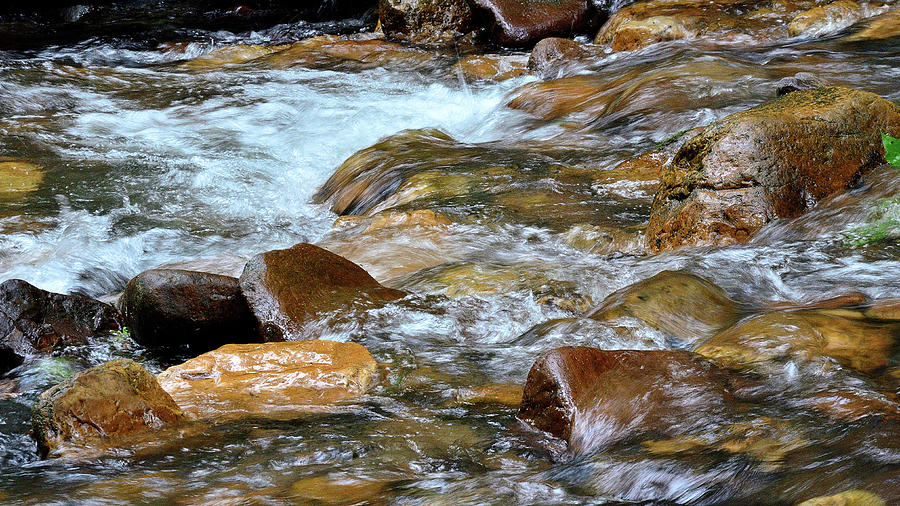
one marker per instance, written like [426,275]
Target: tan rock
[232,55]
[336,489]
[18,178]
[885,26]
[490,67]
[507,394]
[270,379]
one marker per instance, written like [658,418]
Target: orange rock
[270,379]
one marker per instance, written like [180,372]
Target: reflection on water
[143,161]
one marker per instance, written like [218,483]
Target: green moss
[884,225]
[892,149]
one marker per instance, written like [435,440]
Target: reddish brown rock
[593,398]
[110,401]
[178,309]
[776,160]
[33,320]
[285,288]
[522,22]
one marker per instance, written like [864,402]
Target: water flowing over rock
[523,22]
[286,288]
[765,342]
[826,18]
[681,304]
[110,401]
[776,160]
[593,398]
[33,320]
[269,379]
[553,54]
[848,498]
[186,310]
[439,22]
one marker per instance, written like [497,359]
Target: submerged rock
[764,342]
[356,53]
[177,309]
[34,320]
[776,160]
[270,379]
[439,22]
[848,498]
[18,178]
[825,19]
[523,22]
[288,287]
[490,67]
[885,26]
[593,398]
[112,400]
[681,304]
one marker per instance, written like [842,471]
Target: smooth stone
[524,22]
[287,288]
[825,19]
[270,379]
[490,67]
[681,304]
[553,54]
[507,394]
[101,404]
[847,498]
[797,82]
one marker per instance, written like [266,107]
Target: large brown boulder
[682,305]
[593,398]
[34,320]
[112,400]
[177,309]
[270,379]
[426,21]
[776,160]
[524,22]
[286,288]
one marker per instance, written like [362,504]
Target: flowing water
[140,160]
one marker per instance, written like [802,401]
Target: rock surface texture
[426,21]
[34,320]
[111,400]
[592,398]
[171,308]
[524,22]
[776,160]
[239,380]
[286,288]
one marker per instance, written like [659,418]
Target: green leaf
[892,148]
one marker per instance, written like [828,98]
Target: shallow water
[145,161]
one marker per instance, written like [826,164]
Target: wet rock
[851,406]
[110,401]
[592,398]
[33,320]
[232,55]
[797,82]
[523,22]
[848,498]
[490,67]
[885,26]
[826,19]
[847,300]
[887,309]
[269,379]
[439,22]
[776,160]
[681,304]
[357,53]
[337,489]
[186,310]
[427,169]
[763,343]
[552,54]
[605,240]
[286,288]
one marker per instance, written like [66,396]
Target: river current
[146,161]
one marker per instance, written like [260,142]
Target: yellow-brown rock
[760,342]
[271,379]
[491,67]
[848,498]
[336,489]
[678,303]
[508,394]
[885,26]
[328,50]
[18,177]
[826,18]
[232,55]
